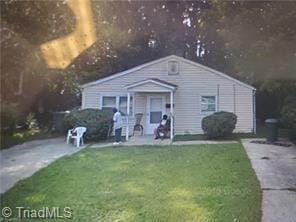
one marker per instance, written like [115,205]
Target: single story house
[184,90]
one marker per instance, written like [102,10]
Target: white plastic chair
[77,135]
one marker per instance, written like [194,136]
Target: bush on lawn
[96,121]
[10,116]
[293,133]
[59,123]
[219,125]
[269,97]
[288,115]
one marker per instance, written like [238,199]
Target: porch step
[147,140]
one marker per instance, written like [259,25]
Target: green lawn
[173,183]
[261,133]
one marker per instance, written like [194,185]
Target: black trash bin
[272,130]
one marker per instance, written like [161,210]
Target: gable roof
[164,59]
[152,80]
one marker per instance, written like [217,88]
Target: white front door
[155,110]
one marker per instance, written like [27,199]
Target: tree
[253,41]
[259,38]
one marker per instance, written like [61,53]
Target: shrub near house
[288,116]
[10,116]
[219,125]
[96,121]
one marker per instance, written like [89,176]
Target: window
[108,102]
[208,103]
[173,67]
[119,102]
[155,110]
[122,107]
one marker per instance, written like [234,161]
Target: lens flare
[59,53]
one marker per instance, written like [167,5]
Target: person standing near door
[117,121]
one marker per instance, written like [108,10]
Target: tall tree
[258,38]
[249,40]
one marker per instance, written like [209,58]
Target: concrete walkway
[23,160]
[275,167]
[150,141]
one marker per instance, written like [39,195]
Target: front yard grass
[261,133]
[145,183]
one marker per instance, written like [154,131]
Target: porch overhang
[151,85]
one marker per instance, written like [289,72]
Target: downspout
[218,97]
[254,112]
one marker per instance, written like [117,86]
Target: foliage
[235,37]
[21,136]
[288,112]
[97,122]
[261,132]
[219,124]
[10,116]
[293,133]
[59,124]
[270,97]
[288,115]
[31,122]
[180,183]
[255,48]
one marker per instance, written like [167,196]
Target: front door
[155,110]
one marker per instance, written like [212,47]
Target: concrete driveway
[275,167]
[23,160]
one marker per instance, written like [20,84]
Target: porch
[147,140]
[152,98]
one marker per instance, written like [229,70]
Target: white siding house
[194,90]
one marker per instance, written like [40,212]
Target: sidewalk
[21,161]
[275,167]
[150,141]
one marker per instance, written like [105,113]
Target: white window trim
[168,67]
[216,103]
[101,100]
[133,104]
[117,101]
